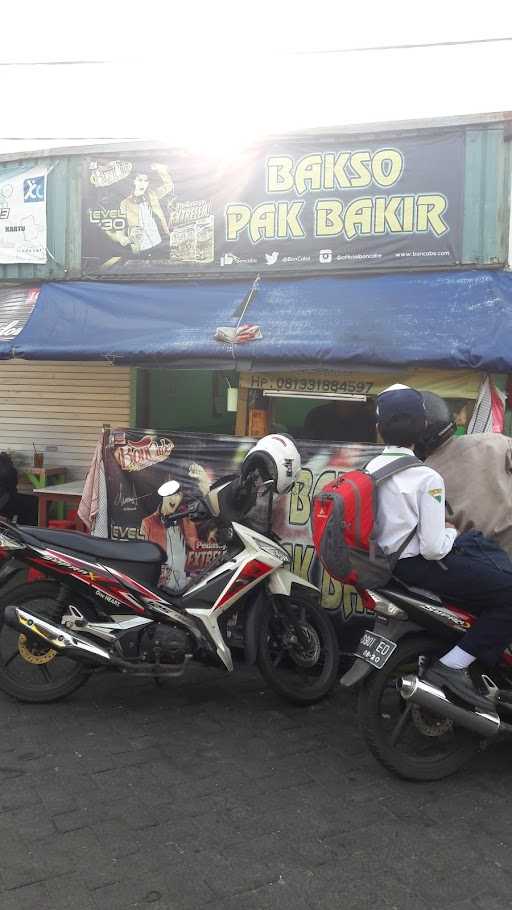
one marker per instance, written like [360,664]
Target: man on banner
[146,231]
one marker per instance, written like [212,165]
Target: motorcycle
[415,729]
[100,607]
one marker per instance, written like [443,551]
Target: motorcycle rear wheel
[427,745]
[30,671]
[301,673]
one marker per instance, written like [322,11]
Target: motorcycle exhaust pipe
[63,640]
[428,696]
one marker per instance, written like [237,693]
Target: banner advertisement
[329,205]
[16,305]
[23,216]
[137,462]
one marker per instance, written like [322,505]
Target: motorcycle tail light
[366,598]
[372,600]
[385,608]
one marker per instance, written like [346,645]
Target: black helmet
[440,424]
[401,417]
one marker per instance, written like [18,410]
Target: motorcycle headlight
[275,551]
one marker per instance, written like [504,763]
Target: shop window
[184,400]
[326,419]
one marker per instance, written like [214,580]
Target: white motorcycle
[102,607]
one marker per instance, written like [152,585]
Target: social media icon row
[324,257]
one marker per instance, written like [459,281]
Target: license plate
[375,649]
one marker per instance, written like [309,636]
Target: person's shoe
[459,683]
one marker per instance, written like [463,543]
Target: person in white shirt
[466,568]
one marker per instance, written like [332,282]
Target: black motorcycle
[414,728]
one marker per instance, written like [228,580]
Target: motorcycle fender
[10,568]
[251,628]
[395,629]
[281,581]
[283,586]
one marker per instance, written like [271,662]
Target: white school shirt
[413,497]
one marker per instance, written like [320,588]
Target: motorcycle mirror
[169,488]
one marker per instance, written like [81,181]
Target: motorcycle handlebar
[197,511]
[251,480]
[201,510]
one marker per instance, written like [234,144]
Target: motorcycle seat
[398,588]
[136,551]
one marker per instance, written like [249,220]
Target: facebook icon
[33,189]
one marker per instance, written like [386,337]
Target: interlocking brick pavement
[212,792]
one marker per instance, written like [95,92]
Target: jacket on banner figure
[146,228]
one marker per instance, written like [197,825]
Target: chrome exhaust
[428,696]
[60,638]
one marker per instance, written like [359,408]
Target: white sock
[457,659]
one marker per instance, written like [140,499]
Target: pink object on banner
[89,503]
[498,410]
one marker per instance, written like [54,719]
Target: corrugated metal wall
[61,408]
[63,212]
[486,197]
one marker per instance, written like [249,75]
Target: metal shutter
[61,408]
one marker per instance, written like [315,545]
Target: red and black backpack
[343,519]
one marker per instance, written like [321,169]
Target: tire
[303,677]
[429,746]
[22,678]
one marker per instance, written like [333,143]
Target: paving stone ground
[213,793]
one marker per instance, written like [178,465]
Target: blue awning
[454,320]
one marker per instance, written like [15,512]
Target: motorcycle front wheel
[411,741]
[301,668]
[30,670]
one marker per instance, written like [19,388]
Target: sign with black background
[326,206]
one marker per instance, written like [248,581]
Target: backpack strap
[397,554]
[395,467]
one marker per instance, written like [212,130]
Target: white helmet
[276,458]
